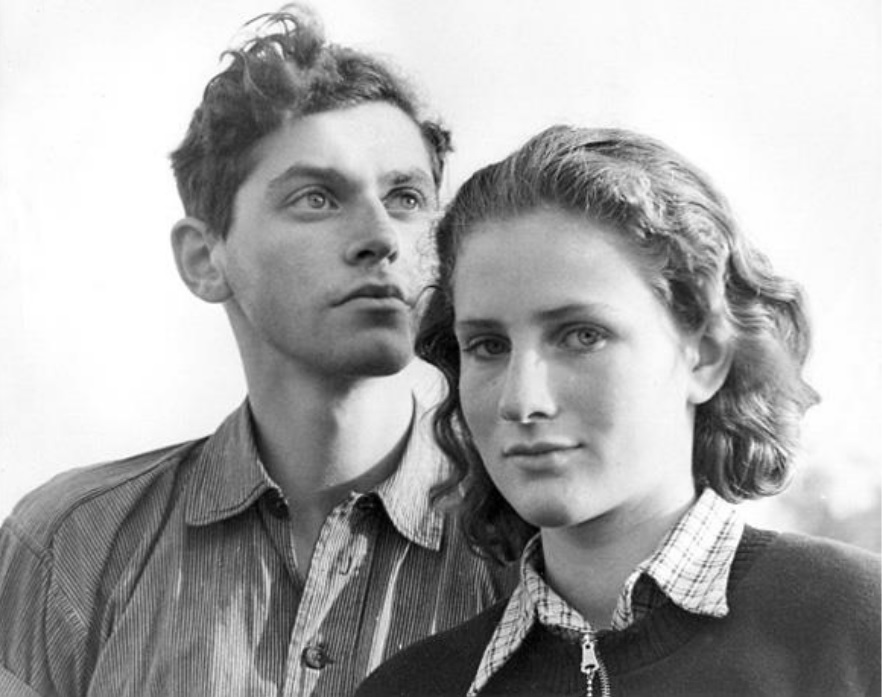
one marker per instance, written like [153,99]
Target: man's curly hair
[286,71]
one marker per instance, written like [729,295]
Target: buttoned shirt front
[174,573]
[690,567]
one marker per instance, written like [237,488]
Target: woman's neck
[588,564]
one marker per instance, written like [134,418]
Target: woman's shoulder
[811,574]
[824,559]
[441,665]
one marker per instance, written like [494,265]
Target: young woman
[623,366]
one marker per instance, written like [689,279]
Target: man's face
[325,256]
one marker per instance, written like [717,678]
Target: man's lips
[376,291]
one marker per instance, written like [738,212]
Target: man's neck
[319,439]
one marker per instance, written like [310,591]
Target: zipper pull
[589,655]
[590,664]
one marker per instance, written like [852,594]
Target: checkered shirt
[690,567]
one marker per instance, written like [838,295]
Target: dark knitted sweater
[804,620]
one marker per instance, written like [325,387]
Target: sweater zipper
[592,665]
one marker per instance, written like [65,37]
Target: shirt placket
[334,583]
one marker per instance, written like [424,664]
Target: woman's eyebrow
[572,309]
[475,325]
[553,314]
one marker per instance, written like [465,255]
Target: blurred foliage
[841,502]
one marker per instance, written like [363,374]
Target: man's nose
[527,394]
[375,237]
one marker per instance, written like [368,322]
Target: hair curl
[285,72]
[701,267]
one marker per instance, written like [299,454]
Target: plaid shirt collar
[690,567]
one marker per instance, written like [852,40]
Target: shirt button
[315,657]
[277,507]
[367,503]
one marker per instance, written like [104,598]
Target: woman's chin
[549,516]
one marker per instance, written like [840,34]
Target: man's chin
[388,360]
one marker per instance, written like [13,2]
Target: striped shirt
[173,573]
[690,567]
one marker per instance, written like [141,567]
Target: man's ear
[194,246]
[712,356]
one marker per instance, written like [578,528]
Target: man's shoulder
[98,492]
[443,664]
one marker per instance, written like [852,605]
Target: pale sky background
[104,353]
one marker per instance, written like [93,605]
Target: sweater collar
[690,567]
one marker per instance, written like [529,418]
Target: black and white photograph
[474,347]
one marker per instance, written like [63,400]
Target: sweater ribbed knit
[804,620]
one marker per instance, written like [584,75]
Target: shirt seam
[62,517]
[46,555]
[46,559]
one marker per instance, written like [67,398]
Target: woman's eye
[485,348]
[583,339]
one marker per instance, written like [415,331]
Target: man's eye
[583,339]
[312,201]
[405,200]
[316,200]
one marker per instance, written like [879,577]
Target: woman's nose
[527,395]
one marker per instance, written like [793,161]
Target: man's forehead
[375,139]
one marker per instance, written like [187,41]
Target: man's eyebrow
[334,177]
[417,176]
[301,171]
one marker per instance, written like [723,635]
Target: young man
[296,548]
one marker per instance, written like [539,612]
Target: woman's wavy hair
[701,267]
[286,71]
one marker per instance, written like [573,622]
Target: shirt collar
[228,478]
[691,564]
[513,627]
[406,494]
[691,567]
[532,600]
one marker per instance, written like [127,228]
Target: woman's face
[576,384]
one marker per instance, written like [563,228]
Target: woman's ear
[193,244]
[713,353]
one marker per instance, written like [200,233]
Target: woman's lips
[538,448]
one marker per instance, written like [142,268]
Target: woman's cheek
[478,407]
